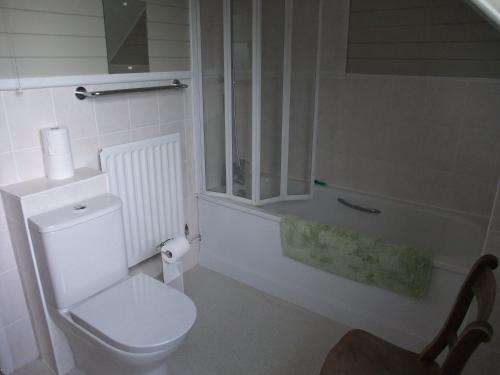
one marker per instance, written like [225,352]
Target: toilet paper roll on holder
[167,253]
[163,243]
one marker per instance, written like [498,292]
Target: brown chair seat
[361,353]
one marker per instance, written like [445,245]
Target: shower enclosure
[257,74]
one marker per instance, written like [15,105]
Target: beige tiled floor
[40,368]
[240,330]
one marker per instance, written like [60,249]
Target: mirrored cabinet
[93,37]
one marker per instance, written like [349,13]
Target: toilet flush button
[79,208]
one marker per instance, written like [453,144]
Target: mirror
[41,38]
[126,28]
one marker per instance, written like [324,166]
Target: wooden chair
[360,353]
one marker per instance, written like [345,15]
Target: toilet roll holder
[173,272]
[163,243]
[167,253]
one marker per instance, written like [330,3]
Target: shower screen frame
[256,77]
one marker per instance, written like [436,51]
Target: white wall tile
[175,127]
[445,101]
[77,115]
[112,115]
[172,127]
[171,104]
[5,144]
[188,101]
[477,155]
[6,363]
[22,342]
[7,260]
[482,111]
[112,112]
[407,129]
[493,245]
[495,322]
[440,146]
[495,223]
[11,298]
[114,139]
[145,132]
[28,112]
[3,219]
[484,198]
[29,163]
[189,143]
[8,171]
[144,109]
[86,152]
[483,361]
[191,208]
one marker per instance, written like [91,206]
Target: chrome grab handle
[375,211]
[82,93]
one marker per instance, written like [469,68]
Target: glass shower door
[212,72]
[302,95]
[258,72]
[272,70]
[241,67]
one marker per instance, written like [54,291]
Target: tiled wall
[93,124]
[425,139]
[487,360]
[493,243]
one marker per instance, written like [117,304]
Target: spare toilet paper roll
[174,249]
[57,156]
[55,141]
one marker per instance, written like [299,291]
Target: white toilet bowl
[128,329]
[116,324]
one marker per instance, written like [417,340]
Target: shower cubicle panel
[212,68]
[241,78]
[258,77]
[271,94]
[302,95]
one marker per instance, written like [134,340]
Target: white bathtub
[243,242]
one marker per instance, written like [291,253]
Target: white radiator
[147,176]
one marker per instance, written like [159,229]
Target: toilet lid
[138,315]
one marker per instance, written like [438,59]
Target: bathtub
[243,242]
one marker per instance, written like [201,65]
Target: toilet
[115,323]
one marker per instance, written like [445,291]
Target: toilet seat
[137,315]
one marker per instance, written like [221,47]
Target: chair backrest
[481,285]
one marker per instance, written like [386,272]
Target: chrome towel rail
[82,93]
[375,211]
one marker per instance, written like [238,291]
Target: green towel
[402,269]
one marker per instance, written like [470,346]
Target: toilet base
[94,357]
[93,370]
[97,368]
[163,370]
[93,361]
